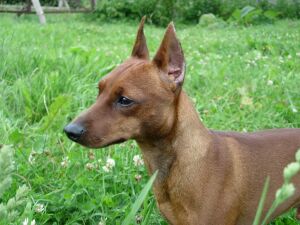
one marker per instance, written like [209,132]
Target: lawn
[240,78]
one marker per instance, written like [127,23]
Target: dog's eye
[124,101]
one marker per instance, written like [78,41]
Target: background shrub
[160,12]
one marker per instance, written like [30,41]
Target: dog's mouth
[118,141]
[99,144]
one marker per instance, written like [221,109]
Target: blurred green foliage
[161,12]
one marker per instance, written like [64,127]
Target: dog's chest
[170,200]
[167,211]
[165,205]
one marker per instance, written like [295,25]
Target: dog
[205,177]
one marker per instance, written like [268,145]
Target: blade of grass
[261,202]
[139,201]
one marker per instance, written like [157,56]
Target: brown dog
[205,177]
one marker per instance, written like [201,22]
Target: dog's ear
[169,57]
[140,49]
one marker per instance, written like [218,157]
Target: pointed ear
[140,49]
[169,57]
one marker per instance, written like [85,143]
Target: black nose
[74,131]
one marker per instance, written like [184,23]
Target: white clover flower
[39,208]
[110,163]
[31,158]
[89,166]
[138,177]
[270,82]
[65,162]
[258,56]
[294,110]
[138,161]
[281,60]
[106,169]
[247,101]
[138,219]
[25,222]
[102,221]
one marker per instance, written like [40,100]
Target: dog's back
[262,154]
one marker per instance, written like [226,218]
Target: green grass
[239,78]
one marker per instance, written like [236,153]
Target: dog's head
[137,100]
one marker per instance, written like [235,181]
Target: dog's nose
[74,131]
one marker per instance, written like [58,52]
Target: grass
[241,79]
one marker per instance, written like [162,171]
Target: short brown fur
[205,177]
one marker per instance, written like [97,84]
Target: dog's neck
[187,141]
